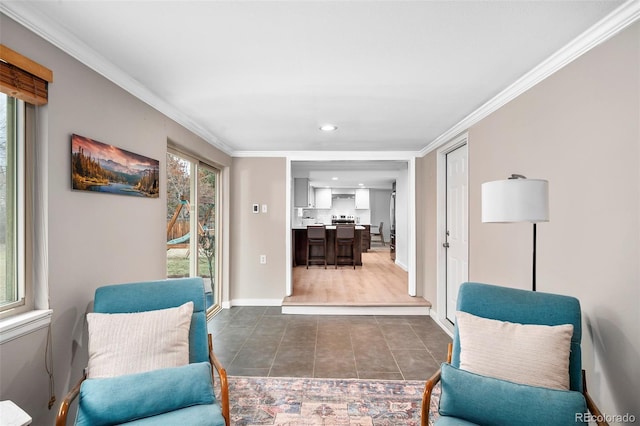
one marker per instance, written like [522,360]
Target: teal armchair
[471,398]
[182,394]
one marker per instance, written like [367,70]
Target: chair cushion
[529,354]
[453,421]
[488,401]
[129,343]
[198,415]
[122,399]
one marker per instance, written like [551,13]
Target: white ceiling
[264,75]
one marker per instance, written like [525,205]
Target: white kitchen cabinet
[362,198]
[323,198]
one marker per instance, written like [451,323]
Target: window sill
[22,324]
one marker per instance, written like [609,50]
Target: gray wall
[94,239]
[402,219]
[379,203]
[580,129]
[261,181]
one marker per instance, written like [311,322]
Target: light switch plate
[264,208]
[256,208]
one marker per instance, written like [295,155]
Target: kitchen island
[299,246]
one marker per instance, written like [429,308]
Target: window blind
[22,78]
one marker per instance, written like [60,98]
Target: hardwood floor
[379,282]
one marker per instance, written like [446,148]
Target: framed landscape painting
[98,167]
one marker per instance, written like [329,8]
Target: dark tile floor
[260,341]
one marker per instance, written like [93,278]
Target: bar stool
[378,233]
[317,236]
[346,237]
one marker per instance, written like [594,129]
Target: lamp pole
[534,256]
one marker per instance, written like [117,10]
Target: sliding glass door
[192,223]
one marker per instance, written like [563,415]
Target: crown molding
[607,27]
[26,14]
[331,155]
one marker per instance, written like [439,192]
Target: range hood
[343,193]
[343,196]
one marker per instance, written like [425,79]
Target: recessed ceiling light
[334,178]
[328,127]
[361,184]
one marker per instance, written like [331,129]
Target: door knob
[445,245]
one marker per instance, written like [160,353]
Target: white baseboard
[253,302]
[402,265]
[354,310]
[437,320]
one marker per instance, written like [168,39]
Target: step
[351,309]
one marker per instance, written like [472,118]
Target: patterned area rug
[293,401]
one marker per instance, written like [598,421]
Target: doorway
[193,212]
[358,172]
[453,229]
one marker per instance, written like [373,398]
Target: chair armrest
[591,405]
[426,397]
[428,389]
[63,411]
[224,384]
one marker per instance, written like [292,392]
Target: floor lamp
[516,199]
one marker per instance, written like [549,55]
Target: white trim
[40,218]
[411,227]
[410,158]
[335,155]
[225,229]
[27,14]
[288,244]
[21,206]
[441,222]
[601,31]
[20,325]
[436,319]
[194,205]
[256,302]
[354,310]
[402,266]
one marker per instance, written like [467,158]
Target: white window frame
[195,164]
[17,139]
[23,317]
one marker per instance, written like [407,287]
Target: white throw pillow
[134,343]
[535,355]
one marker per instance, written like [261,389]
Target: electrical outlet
[263,259]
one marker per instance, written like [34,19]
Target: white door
[456,240]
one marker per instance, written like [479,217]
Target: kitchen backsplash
[340,206]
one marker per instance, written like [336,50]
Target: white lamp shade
[515,200]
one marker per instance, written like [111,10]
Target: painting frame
[103,168]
